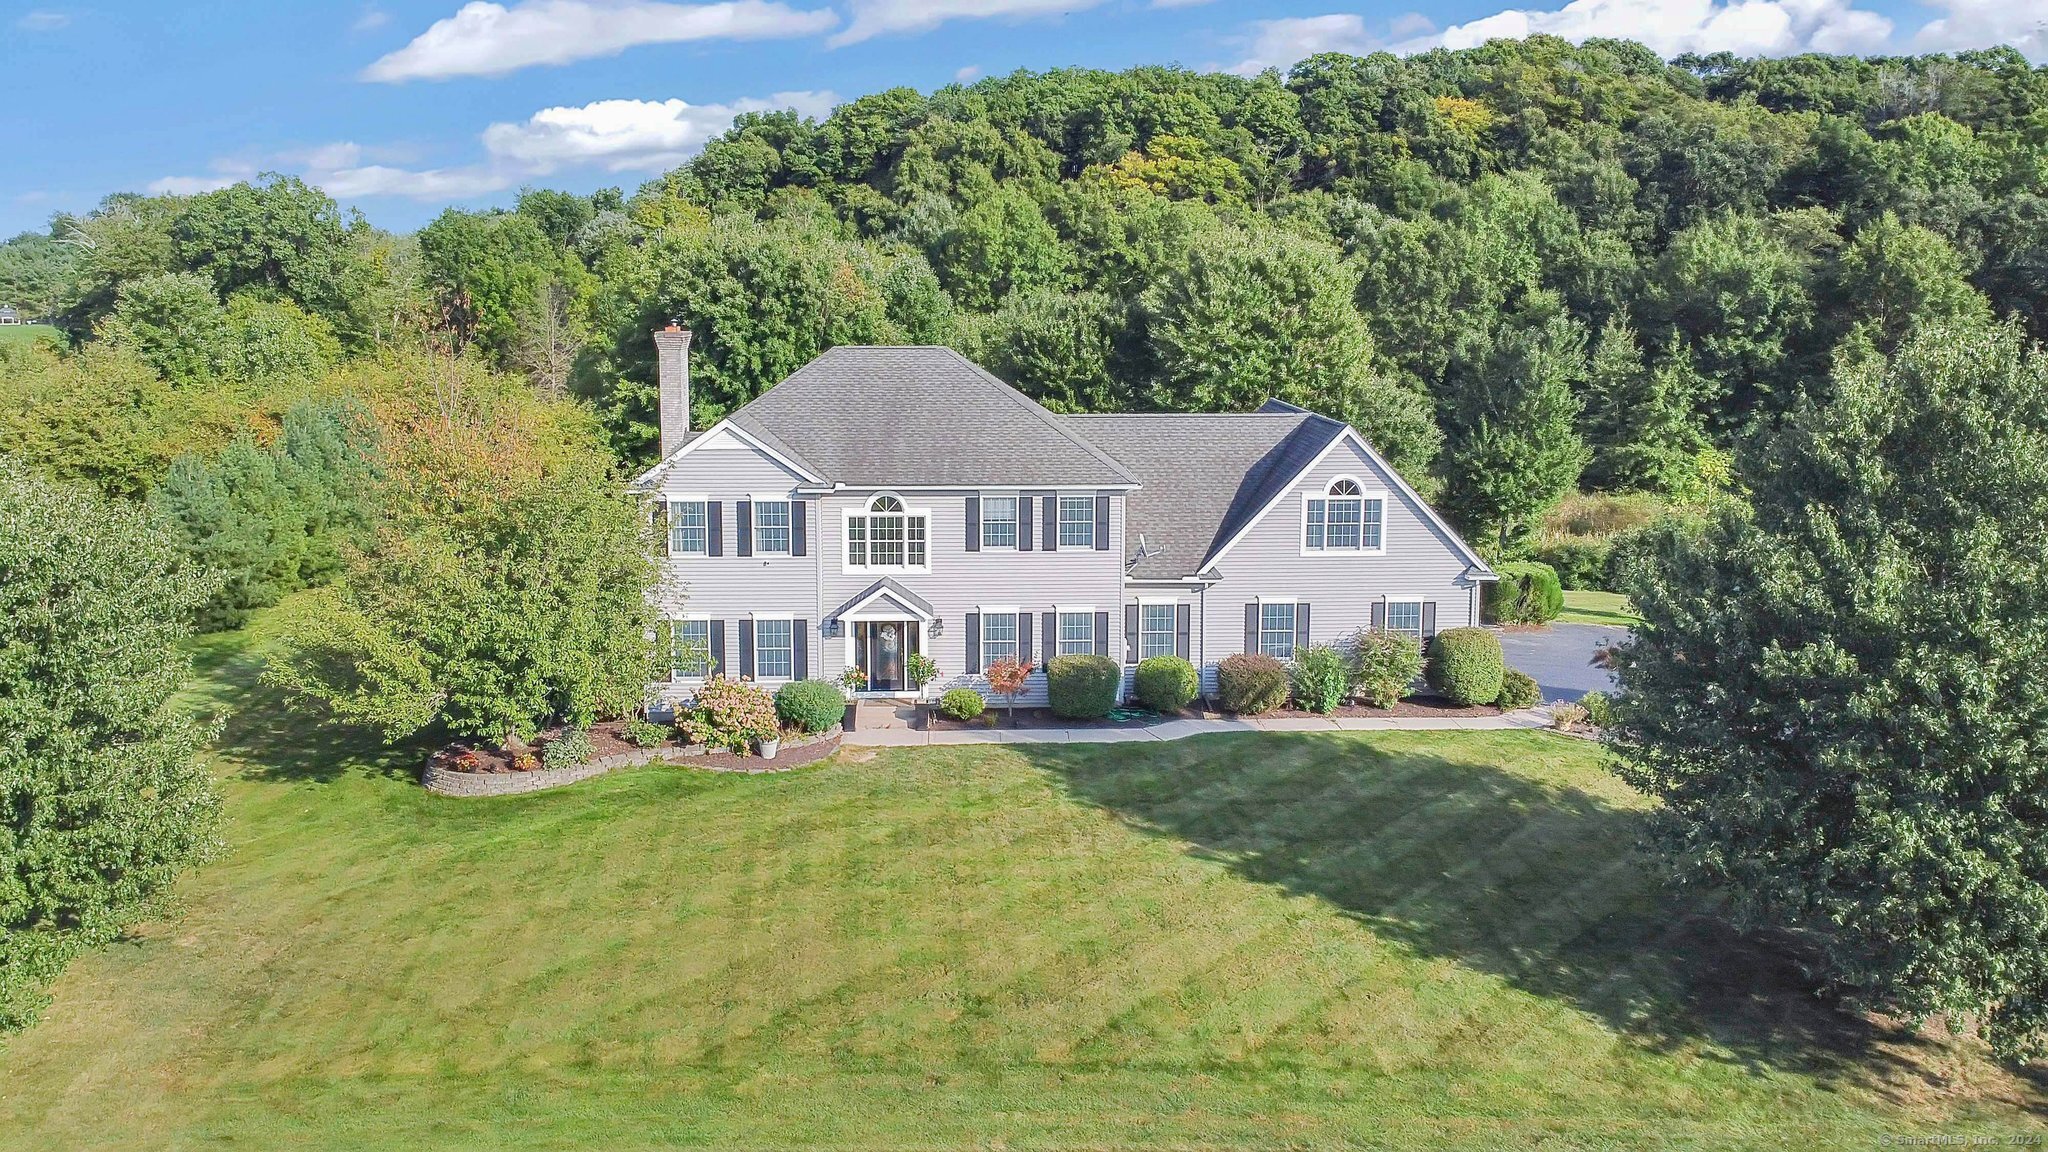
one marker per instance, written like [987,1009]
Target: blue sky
[402,108]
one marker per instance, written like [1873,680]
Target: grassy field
[1301,941]
[24,333]
[1582,607]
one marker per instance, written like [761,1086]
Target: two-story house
[884,501]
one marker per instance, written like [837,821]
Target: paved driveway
[1560,657]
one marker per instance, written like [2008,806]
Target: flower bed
[462,770]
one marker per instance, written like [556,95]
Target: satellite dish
[1149,551]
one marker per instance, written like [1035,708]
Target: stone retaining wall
[794,753]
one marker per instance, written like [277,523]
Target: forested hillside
[1522,269]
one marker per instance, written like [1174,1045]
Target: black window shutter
[743,521]
[1251,627]
[1050,633]
[1102,521]
[1024,523]
[1428,619]
[1301,626]
[1130,633]
[1102,633]
[717,644]
[973,644]
[1379,613]
[1051,543]
[1022,622]
[800,649]
[974,523]
[747,648]
[714,517]
[799,531]
[1183,626]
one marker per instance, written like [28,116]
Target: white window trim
[1294,618]
[984,496]
[909,512]
[704,618]
[669,500]
[1059,628]
[1365,495]
[1016,641]
[1172,631]
[754,523]
[1059,498]
[779,617]
[1418,618]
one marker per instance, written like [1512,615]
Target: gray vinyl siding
[961,582]
[731,587]
[1420,563]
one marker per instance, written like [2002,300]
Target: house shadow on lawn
[1540,884]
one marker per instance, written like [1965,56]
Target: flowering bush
[922,668]
[854,680]
[730,714]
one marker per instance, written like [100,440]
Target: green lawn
[1300,941]
[24,333]
[1582,607]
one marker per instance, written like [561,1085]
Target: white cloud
[193,185]
[967,75]
[1282,43]
[42,20]
[372,18]
[615,135]
[1671,27]
[1668,27]
[487,39]
[1986,24]
[619,135]
[881,17]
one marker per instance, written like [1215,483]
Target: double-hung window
[1343,519]
[1077,521]
[771,527]
[887,535]
[689,528]
[690,649]
[998,521]
[1077,634]
[998,637]
[1276,630]
[1158,630]
[1405,616]
[774,650]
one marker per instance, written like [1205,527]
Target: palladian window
[886,535]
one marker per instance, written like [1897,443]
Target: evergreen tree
[1838,694]
[1511,425]
[1643,425]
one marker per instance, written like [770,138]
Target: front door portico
[883,646]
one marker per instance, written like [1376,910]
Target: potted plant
[770,744]
[853,682]
[922,669]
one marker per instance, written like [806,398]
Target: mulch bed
[606,741]
[996,717]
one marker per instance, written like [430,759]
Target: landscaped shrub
[1580,564]
[1383,663]
[1465,665]
[568,750]
[1166,683]
[1567,716]
[962,704]
[1083,687]
[645,733]
[1599,708]
[810,706]
[1319,677]
[730,714]
[1518,690]
[1527,592]
[1250,683]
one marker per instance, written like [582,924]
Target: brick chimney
[672,376]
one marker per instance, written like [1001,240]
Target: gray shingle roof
[1203,476]
[890,416]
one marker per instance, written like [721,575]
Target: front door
[884,645]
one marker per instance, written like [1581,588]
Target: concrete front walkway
[1182,729]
